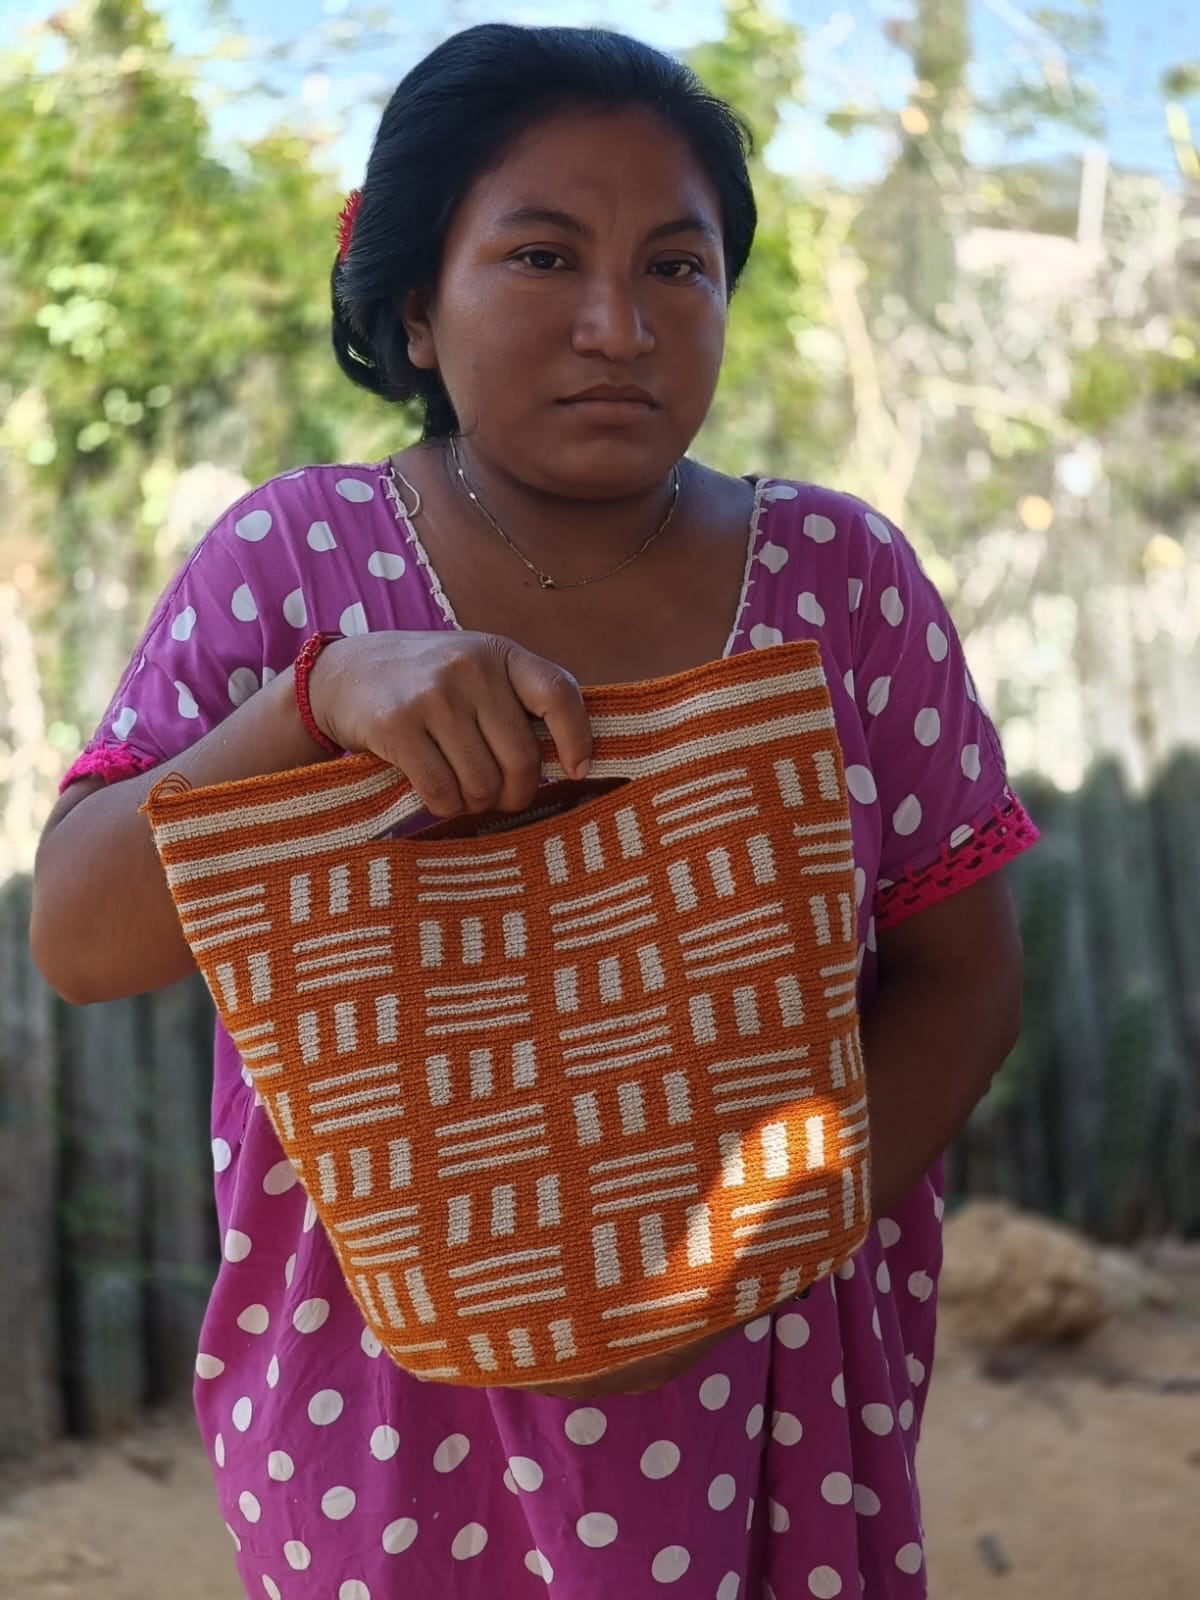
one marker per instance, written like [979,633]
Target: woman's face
[590,259]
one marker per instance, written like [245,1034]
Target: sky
[846,58]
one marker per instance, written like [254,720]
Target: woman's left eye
[680,270]
[541,260]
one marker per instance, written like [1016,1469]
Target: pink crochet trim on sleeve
[110,762]
[1006,834]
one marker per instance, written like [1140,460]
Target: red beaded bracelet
[301,672]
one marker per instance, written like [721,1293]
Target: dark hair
[452,118]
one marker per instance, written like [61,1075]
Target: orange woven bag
[570,1089]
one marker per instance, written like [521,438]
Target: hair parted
[452,118]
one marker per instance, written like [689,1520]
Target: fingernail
[582,770]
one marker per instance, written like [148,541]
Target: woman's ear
[414,313]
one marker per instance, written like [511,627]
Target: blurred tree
[928,174]
[772,411]
[158,308]
[163,304]
[948,368]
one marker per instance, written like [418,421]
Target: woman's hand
[451,711]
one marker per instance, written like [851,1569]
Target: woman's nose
[611,323]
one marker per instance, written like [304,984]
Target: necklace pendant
[545,581]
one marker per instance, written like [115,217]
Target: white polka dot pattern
[596,1529]
[451,1453]
[242,683]
[310,1315]
[586,1426]
[280,1179]
[660,1459]
[385,1442]
[670,1564]
[721,1491]
[295,611]
[469,1542]
[332,1463]
[183,624]
[325,1408]
[786,1428]
[387,564]
[255,525]
[714,1391]
[337,1503]
[398,1536]
[539,1566]
[527,1475]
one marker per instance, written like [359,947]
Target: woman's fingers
[551,693]
[467,752]
[452,712]
[414,753]
[505,724]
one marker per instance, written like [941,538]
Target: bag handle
[641,730]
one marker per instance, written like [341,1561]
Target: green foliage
[1182,81]
[1106,383]
[158,306]
[1175,371]
[1044,91]
[766,412]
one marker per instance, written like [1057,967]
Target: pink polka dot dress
[781,1467]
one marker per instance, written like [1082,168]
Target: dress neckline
[441,599]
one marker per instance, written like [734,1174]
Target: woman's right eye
[541,260]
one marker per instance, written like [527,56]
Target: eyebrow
[566,223]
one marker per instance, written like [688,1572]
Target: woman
[550,228]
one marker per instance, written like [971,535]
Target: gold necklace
[544,579]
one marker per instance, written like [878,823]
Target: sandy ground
[1066,1477]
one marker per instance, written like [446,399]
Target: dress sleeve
[201,656]
[937,772]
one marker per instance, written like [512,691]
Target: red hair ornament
[346,222]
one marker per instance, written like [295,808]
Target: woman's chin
[606,463]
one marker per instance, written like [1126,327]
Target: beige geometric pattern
[571,1089]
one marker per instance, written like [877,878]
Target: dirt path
[1082,1487]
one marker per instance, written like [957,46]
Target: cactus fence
[1095,1118]
[107,1234]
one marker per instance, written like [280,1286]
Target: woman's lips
[609,411]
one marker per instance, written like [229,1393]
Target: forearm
[104,925]
[932,1040]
